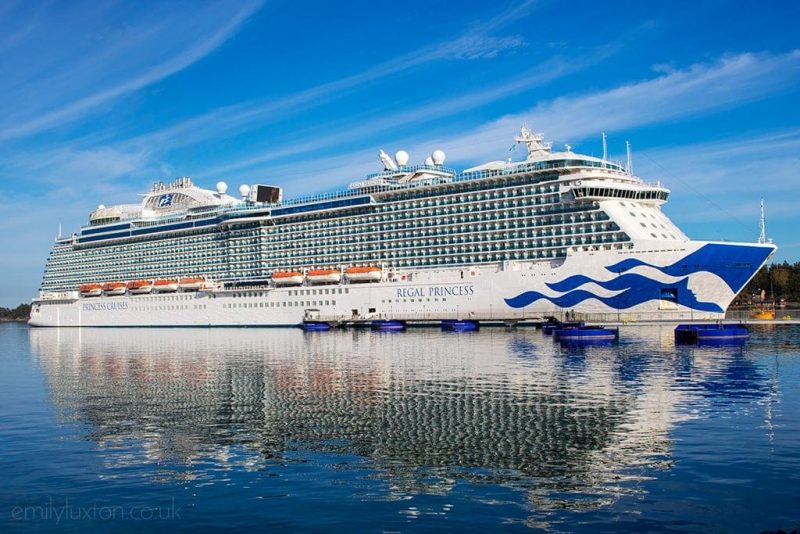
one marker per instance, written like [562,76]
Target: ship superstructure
[506,240]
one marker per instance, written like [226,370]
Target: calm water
[238,428]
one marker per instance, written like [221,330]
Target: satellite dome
[438,157]
[401,157]
[244,190]
[101,207]
[429,161]
[222,187]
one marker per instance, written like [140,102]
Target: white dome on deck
[401,157]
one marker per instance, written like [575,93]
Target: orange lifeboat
[140,287]
[191,283]
[114,288]
[288,278]
[91,290]
[165,285]
[364,274]
[324,276]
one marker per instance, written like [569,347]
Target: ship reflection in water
[546,430]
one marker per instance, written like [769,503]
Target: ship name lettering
[436,291]
[104,306]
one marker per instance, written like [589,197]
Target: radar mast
[537,147]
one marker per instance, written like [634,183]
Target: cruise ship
[507,241]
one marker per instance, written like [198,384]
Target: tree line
[778,281]
[20,313]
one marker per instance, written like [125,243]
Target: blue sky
[100,99]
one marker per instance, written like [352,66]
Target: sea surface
[501,430]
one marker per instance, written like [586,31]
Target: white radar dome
[438,157]
[244,190]
[101,207]
[222,187]
[401,157]
[429,161]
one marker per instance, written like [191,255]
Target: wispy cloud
[480,46]
[209,28]
[421,115]
[477,42]
[699,89]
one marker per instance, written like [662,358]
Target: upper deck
[181,205]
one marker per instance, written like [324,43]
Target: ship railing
[380,188]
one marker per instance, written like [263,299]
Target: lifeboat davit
[165,285]
[114,288]
[192,283]
[289,278]
[91,290]
[324,276]
[140,287]
[363,274]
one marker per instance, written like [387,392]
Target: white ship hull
[690,280]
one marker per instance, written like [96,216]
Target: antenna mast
[605,147]
[762,224]
[630,157]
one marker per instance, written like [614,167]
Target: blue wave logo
[732,263]
[635,289]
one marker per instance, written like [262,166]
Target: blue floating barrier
[586,334]
[711,332]
[388,326]
[550,327]
[315,326]
[452,325]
